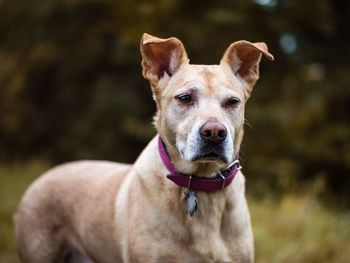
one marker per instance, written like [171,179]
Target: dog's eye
[184,98]
[231,102]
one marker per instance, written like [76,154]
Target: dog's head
[200,107]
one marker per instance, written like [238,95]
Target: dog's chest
[209,228]
[212,245]
[215,233]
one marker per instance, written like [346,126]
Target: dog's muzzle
[213,135]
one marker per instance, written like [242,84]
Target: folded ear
[161,56]
[244,57]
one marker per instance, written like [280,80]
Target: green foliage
[297,229]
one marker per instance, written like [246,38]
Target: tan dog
[110,212]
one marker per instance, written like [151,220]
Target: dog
[184,198]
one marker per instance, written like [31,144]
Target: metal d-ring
[239,167]
[223,181]
[233,163]
[189,183]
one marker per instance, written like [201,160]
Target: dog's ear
[161,57]
[244,57]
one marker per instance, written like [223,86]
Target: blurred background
[71,88]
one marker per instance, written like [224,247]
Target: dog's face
[204,109]
[201,107]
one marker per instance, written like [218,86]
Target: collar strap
[219,182]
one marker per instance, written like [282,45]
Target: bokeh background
[71,88]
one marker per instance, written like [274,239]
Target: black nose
[213,131]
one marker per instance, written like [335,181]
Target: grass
[14,179]
[298,229]
[294,229]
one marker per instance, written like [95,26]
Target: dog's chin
[210,157]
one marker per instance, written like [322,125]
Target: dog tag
[191,202]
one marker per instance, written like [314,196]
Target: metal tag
[191,202]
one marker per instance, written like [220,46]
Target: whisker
[248,124]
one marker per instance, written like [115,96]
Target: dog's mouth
[209,157]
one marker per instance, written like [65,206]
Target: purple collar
[219,182]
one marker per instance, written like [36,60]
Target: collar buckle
[223,178]
[235,162]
